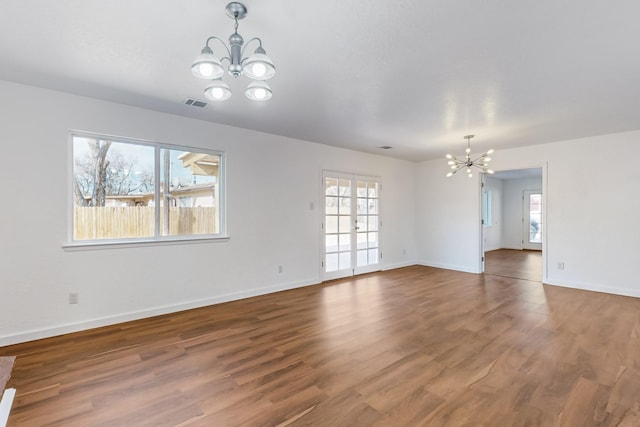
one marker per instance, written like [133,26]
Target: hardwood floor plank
[415,346]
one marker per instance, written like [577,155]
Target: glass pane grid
[347,237]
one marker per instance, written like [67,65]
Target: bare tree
[99,151]
[103,172]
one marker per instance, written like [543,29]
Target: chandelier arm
[222,42]
[247,44]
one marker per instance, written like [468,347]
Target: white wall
[592,207]
[512,210]
[492,233]
[271,182]
[448,218]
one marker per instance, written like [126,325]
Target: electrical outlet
[404,252]
[561,265]
[280,269]
[74,298]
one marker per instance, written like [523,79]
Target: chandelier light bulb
[450,174]
[490,151]
[490,171]
[258,70]
[470,175]
[451,162]
[206,69]
[258,91]
[217,91]
[449,156]
[487,159]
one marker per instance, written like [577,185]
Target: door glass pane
[362,240]
[345,187]
[373,223]
[331,262]
[373,240]
[362,258]
[331,205]
[345,242]
[331,243]
[345,260]
[535,218]
[362,207]
[373,189]
[331,187]
[362,223]
[345,224]
[362,189]
[332,224]
[373,256]
[345,206]
[373,207]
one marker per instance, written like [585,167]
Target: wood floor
[524,264]
[415,346]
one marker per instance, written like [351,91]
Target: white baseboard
[142,314]
[448,267]
[399,265]
[5,405]
[595,288]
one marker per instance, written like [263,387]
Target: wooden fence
[111,222]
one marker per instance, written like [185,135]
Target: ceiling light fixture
[482,162]
[257,67]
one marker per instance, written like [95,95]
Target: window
[486,208]
[126,190]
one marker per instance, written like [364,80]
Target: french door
[351,226]
[532,220]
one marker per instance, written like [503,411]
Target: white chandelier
[257,67]
[481,162]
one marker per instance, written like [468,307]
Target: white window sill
[138,243]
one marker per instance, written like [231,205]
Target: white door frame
[545,207]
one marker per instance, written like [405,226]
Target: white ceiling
[417,75]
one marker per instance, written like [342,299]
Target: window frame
[221,199]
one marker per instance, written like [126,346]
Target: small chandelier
[481,162]
[257,67]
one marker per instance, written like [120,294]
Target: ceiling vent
[385,147]
[195,102]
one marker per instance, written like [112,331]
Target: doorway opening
[513,224]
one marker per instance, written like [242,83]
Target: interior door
[351,225]
[532,219]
